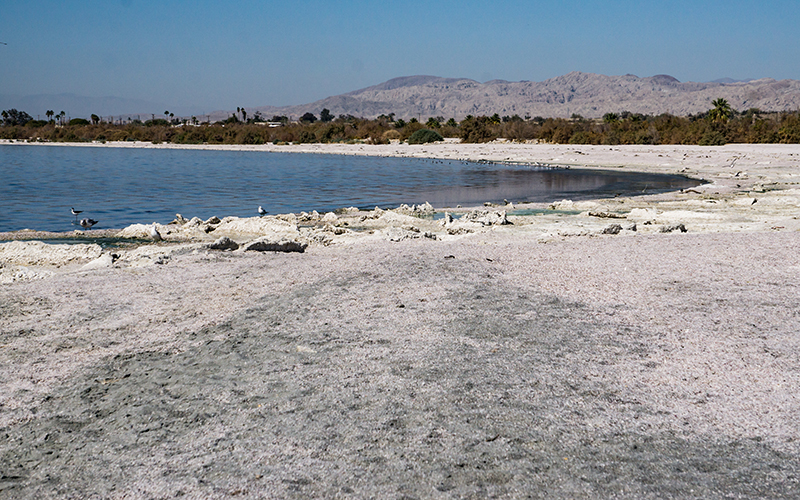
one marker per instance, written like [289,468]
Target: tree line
[719,125]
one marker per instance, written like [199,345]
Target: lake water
[121,186]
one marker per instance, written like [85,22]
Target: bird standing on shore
[88,223]
[75,213]
[261,211]
[154,233]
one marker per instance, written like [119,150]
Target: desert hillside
[587,94]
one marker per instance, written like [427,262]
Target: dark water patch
[119,187]
[104,242]
[535,184]
[542,211]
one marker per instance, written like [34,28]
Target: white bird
[88,223]
[75,213]
[154,233]
[261,211]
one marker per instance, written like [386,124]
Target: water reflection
[119,187]
[548,184]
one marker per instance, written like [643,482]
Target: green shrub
[79,121]
[423,136]
[477,130]
[713,138]
[409,130]
[580,138]
[306,136]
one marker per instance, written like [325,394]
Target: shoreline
[749,187]
[401,356]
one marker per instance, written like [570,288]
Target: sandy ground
[397,357]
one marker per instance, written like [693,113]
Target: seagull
[154,233]
[75,213]
[261,211]
[88,223]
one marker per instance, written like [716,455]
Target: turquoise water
[121,186]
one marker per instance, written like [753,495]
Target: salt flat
[399,357]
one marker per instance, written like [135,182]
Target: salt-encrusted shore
[591,349]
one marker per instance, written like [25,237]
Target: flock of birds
[87,223]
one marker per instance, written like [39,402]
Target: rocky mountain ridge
[587,94]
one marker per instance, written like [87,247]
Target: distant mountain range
[587,94]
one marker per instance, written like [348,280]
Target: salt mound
[135,231]
[391,218]
[234,226]
[36,253]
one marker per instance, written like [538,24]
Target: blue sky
[221,55]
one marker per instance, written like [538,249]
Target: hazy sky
[221,55]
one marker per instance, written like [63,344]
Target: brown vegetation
[710,128]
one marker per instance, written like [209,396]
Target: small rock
[213,220]
[320,237]
[606,215]
[673,227]
[407,233]
[561,205]
[487,218]
[194,222]
[179,219]
[423,210]
[105,260]
[612,229]
[290,218]
[283,245]
[446,220]
[223,243]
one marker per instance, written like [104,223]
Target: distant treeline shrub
[424,136]
[752,126]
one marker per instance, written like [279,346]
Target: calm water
[119,187]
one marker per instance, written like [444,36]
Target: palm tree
[61,117]
[50,114]
[721,112]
